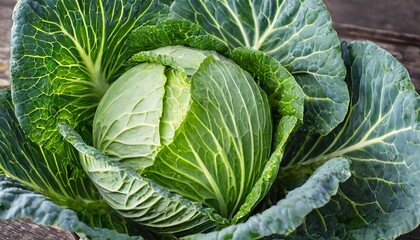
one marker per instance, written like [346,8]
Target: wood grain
[404,47]
[393,25]
[6,9]
[398,16]
[24,229]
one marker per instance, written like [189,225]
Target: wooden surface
[6,8]
[394,25]
[25,230]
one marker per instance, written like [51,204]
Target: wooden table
[6,8]
[394,25]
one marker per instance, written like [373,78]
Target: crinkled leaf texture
[140,199]
[16,201]
[285,96]
[51,173]
[381,137]
[171,32]
[299,34]
[64,55]
[290,212]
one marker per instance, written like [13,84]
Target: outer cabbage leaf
[64,55]
[299,34]
[171,32]
[289,213]
[140,199]
[50,173]
[18,202]
[381,136]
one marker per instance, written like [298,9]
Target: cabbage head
[189,132]
[190,120]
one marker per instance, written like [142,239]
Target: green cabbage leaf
[381,137]
[16,201]
[62,60]
[298,34]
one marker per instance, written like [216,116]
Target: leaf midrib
[355,147]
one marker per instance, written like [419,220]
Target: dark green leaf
[299,34]
[381,136]
[285,96]
[64,55]
[173,32]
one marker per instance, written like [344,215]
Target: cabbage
[205,120]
